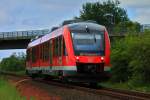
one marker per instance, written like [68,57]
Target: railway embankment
[41,90]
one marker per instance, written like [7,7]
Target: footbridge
[18,39]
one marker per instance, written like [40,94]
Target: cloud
[140,10]
[3,17]
[28,14]
[142,16]
[135,3]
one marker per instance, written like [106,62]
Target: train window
[43,55]
[46,51]
[50,51]
[88,43]
[59,46]
[64,48]
[56,47]
[37,52]
[33,54]
[30,54]
[41,51]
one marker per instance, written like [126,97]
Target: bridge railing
[22,34]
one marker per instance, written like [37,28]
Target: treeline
[16,62]
[130,59]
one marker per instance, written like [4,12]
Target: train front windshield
[88,43]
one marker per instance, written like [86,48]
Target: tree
[13,63]
[110,14]
[105,13]
[127,27]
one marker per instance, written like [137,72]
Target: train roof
[84,25]
[45,37]
[73,27]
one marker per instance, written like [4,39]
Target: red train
[78,51]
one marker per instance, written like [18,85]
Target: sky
[17,15]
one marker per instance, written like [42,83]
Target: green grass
[8,92]
[128,86]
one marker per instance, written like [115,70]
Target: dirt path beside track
[30,91]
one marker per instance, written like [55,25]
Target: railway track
[114,93]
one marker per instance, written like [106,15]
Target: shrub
[131,59]
[119,59]
[140,62]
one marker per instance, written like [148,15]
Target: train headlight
[102,58]
[77,58]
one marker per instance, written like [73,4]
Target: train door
[60,56]
[58,48]
[58,51]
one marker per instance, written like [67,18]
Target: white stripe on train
[71,68]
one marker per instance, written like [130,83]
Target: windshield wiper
[94,38]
